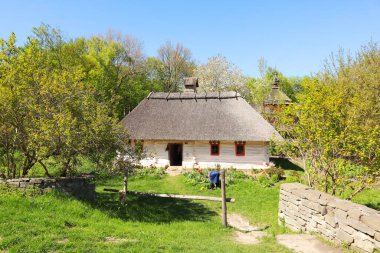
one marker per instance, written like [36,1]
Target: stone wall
[81,187]
[305,209]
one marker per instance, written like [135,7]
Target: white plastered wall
[197,154]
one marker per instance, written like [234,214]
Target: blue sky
[294,36]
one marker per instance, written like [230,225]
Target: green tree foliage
[335,127]
[175,63]
[116,67]
[260,87]
[49,108]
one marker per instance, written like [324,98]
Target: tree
[48,108]
[335,127]
[177,63]
[155,73]
[260,87]
[219,74]
[117,68]
[129,158]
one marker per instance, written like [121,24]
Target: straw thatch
[197,116]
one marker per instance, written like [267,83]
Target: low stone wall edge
[302,208]
[81,187]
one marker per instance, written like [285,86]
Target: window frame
[214,143]
[242,144]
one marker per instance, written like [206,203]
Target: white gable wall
[197,154]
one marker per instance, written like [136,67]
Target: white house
[203,130]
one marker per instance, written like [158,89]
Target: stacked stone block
[302,208]
[81,187]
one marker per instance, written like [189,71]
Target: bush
[276,171]
[152,171]
[198,177]
[263,180]
[292,179]
[274,178]
[232,176]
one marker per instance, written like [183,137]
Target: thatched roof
[197,116]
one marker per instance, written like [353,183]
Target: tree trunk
[29,162]
[27,167]
[124,193]
[356,192]
[43,166]
[333,185]
[13,169]
[65,168]
[126,180]
[307,173]
[8,164]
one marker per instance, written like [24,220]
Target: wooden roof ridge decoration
[219,95]
[187,116]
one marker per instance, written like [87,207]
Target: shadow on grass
[285,164]
[152,209]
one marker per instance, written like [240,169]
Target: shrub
[198,177]
[276,171]
[274,178]
[233,175]
[292,179]
[152,171]
[263,180]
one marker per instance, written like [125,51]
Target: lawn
[57,223]
[54,222]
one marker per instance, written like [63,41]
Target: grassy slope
[40,223]
[369,197]
[44,223]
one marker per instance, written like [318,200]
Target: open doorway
[175,154]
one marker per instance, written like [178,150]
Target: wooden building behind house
[276,98]
[192,130]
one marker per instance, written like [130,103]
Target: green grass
[54,222]
[57,223]
[369,197]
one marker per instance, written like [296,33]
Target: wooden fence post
[224,205]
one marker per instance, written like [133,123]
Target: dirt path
[301,243]
[305,243]
[249,237]
[246,233]
[242,224]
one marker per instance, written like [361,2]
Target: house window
[240,148]
[214,148]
